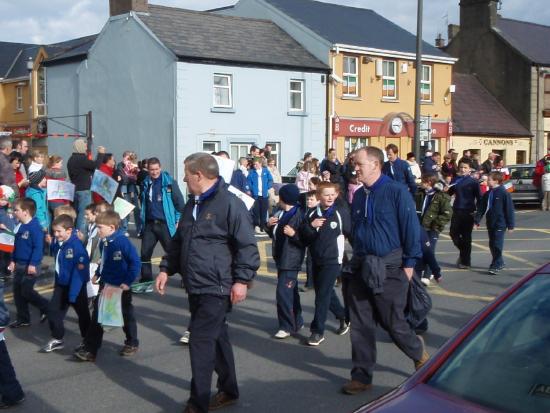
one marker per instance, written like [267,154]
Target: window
[426,84]
[210,146]
[350,76]
[351,144]
[239,150]
[521,157]
[276,153]
[19,98]
[547,94]
[389,87]
[41,104]
[222,91]
[297,95]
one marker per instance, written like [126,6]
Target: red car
[499,362]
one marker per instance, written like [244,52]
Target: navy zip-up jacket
[288,252]
[466,192]
[74,265]
[29,243]
[120,263]
[324,243]
[501,215]
[392,223]
[401,173]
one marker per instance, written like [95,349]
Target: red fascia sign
[376,127]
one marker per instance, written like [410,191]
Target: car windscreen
[522,173]
[504,364]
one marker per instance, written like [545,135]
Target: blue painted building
[168,82]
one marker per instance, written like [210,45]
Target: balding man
[214,248]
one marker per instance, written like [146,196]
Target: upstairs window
[19,98]
[389,80]
[426,84]
[350,76]
[223,91]
[547,94]
[297,95]
[41,104]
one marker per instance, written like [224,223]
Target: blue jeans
[130,194]
[496,245]
[326,299]
[289,310]
[81,200]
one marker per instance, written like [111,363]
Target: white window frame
[347,74]
[216,144]
[239,146]
[229,88]
[300,92]
[428,82]
[388,78]
[42,92]
[19,98]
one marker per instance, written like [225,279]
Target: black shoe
[315,339]
[343,329]
[4,405]
[84,355]
[19,324]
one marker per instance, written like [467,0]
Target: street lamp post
[418,79]
[30,65]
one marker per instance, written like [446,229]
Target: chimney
[478,14]
[452,31]
[117,7]
[439,41]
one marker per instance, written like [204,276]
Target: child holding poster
[54,171]
[7,224]
[120,266]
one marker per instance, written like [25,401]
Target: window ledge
[297,113]
[19,111]
[222,110]
[426,102]
[351,98]
[386,100]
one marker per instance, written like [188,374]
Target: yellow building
[22,88]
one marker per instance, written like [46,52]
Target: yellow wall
[370,103]
[8,112]
[486,144]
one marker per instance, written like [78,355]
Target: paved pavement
[276,376]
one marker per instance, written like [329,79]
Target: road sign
[425,128]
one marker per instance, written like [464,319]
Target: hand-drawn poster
[123,207]
[110,307]
[60,190]
[104,185]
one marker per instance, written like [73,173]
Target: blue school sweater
[29,243]
[73,265]
[120,263]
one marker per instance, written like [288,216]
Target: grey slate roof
[530,39]
[477,112]
[203,36]
[13,59]
[352,26]
[70,49]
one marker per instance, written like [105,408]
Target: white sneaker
[53,345]
[185,338]
[425,281]
[281,334]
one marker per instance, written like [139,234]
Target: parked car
[290,177]
[498,362]
[521,176]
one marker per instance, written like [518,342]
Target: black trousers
[57,310]
[10,389]
[25,294]
[387,309]
[210,349]
[462,225]
[94,336]
[260,211]
[153,232]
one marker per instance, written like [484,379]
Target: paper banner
[104,185]
[110,307]
[226,167]
[7,241]
[123,207]
[60,190]
[248,200]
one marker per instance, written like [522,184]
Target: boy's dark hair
[465,162]
[26,204]
[108,218]
[315,180]
[65,221]
[497,176]
[311,193]
[430,177]
[90,207]
[106,157]
[392,147]
[16,156]
[153,161]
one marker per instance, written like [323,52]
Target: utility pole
[89,132]
[418,79]
[30,66]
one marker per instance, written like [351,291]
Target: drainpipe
[333,100]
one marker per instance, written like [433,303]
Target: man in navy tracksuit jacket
[72,272]
[386,244]
[398,169]
[260,182]
[120,266]
[498,207]
[466,192]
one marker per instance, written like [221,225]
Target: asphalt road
[275,376]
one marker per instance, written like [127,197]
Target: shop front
[352,133]
[514,150]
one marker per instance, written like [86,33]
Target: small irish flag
[509,186]
[7,241]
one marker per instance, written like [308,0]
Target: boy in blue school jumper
[120,266]
[71,275]
[498,208]
[26,261]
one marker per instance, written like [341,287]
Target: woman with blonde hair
[303,177]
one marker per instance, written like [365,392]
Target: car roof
[531,165]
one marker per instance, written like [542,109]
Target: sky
[51,21]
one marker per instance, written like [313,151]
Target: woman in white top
[303,177]
[415,168]
[272,166]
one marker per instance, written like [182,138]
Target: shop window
[210,146]
[499,152]
[223,94]
[351,144]
[350,76]
[296,95]
[389,80]
[426,84]
[19,98]
[521,157]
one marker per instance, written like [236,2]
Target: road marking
[484,252]
[437,290]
